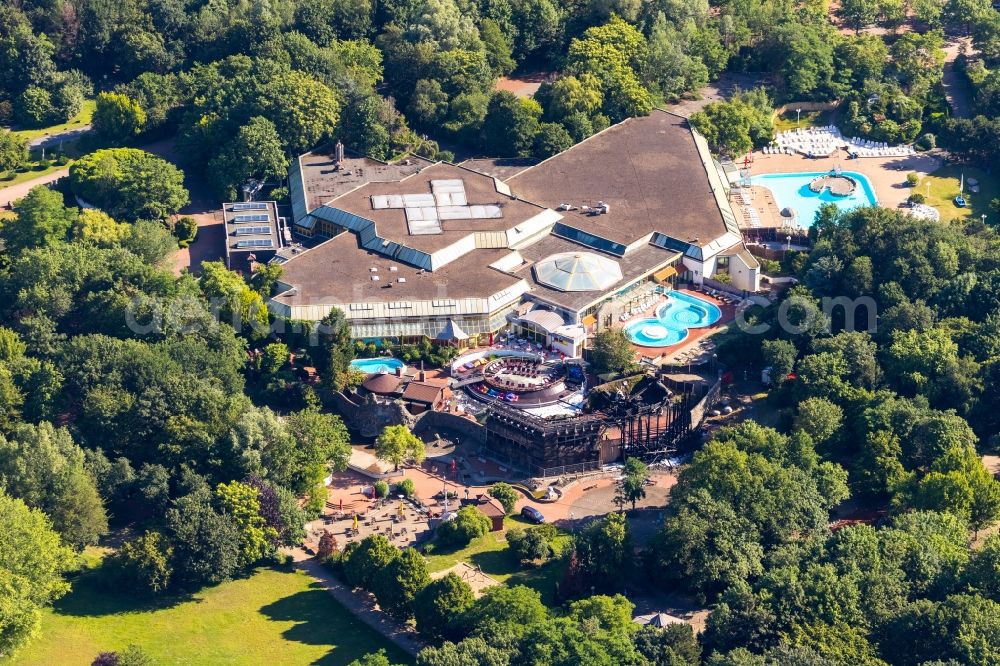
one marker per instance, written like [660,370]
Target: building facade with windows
[423,249]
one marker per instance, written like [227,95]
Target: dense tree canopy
[129,184]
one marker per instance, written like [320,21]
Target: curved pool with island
[374,366]
[672,321]
[792,190]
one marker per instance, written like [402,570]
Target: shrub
[381,489]
[327,547]
[532,544]
[143,564]
[469,524]
[405,488]
[770,266]
[133,655]
[912,179]
[186,229]
[505,494]
[917,198]
[927,142]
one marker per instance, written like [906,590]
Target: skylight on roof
[578,271]
[447,201]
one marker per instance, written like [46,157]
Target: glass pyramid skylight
[578,271]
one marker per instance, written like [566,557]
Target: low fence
[375,475]
[765,252]
[710,398]
[776,235]
[722,286]
[563,470]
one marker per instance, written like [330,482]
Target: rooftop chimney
[340,152]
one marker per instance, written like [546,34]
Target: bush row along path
[359,603]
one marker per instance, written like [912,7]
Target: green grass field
[941,187]
[80,119]
[277,616]
[786,121]
[490,553]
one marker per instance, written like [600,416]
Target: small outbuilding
[492,509]
[422,396]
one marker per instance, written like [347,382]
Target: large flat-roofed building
[440,250]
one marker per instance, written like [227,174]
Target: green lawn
[941,187]
[82,118]
[30,171]
[786,121]
[490,553]
[29,174]
[277,616]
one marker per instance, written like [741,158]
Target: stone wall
[369,415]
[472,431]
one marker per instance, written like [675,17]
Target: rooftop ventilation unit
[373,269]
[401,280]
[375,278]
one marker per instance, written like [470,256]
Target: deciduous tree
[32,561]
[438,605]
[397,444]
[118,118]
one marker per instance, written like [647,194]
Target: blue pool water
[670,326]
[374,365]
[792,190]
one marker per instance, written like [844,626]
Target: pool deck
[695,338]
[887,176]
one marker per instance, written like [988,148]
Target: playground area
[473,575]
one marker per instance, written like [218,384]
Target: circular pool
[670,326]
[651,333]
[689,315]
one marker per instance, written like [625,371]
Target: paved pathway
[717,91]
[50,140]
[15,192]
[956,87]
[359,604]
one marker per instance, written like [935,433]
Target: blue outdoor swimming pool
[791,190]
[371,366]
[673,319]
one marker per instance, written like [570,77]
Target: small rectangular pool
[791,190]
[370,366]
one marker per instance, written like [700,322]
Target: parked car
[532,514]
